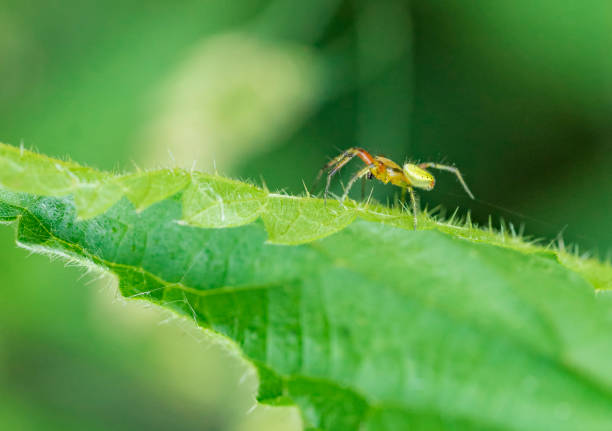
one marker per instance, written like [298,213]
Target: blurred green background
[518,94]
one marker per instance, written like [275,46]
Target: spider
[408,177]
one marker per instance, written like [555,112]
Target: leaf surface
[345,311]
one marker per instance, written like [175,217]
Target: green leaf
[219,202]
[345,311]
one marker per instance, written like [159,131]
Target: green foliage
[344,310]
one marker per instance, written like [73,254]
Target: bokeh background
[517,93]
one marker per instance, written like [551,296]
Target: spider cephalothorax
[409,176]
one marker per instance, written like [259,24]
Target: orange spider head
[419,177]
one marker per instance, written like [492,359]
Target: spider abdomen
[419,177]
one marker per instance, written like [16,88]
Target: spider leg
[363,184]
[414,206]
[452,169]
[339,161]
[333,162]
[360,174]
[333,171]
